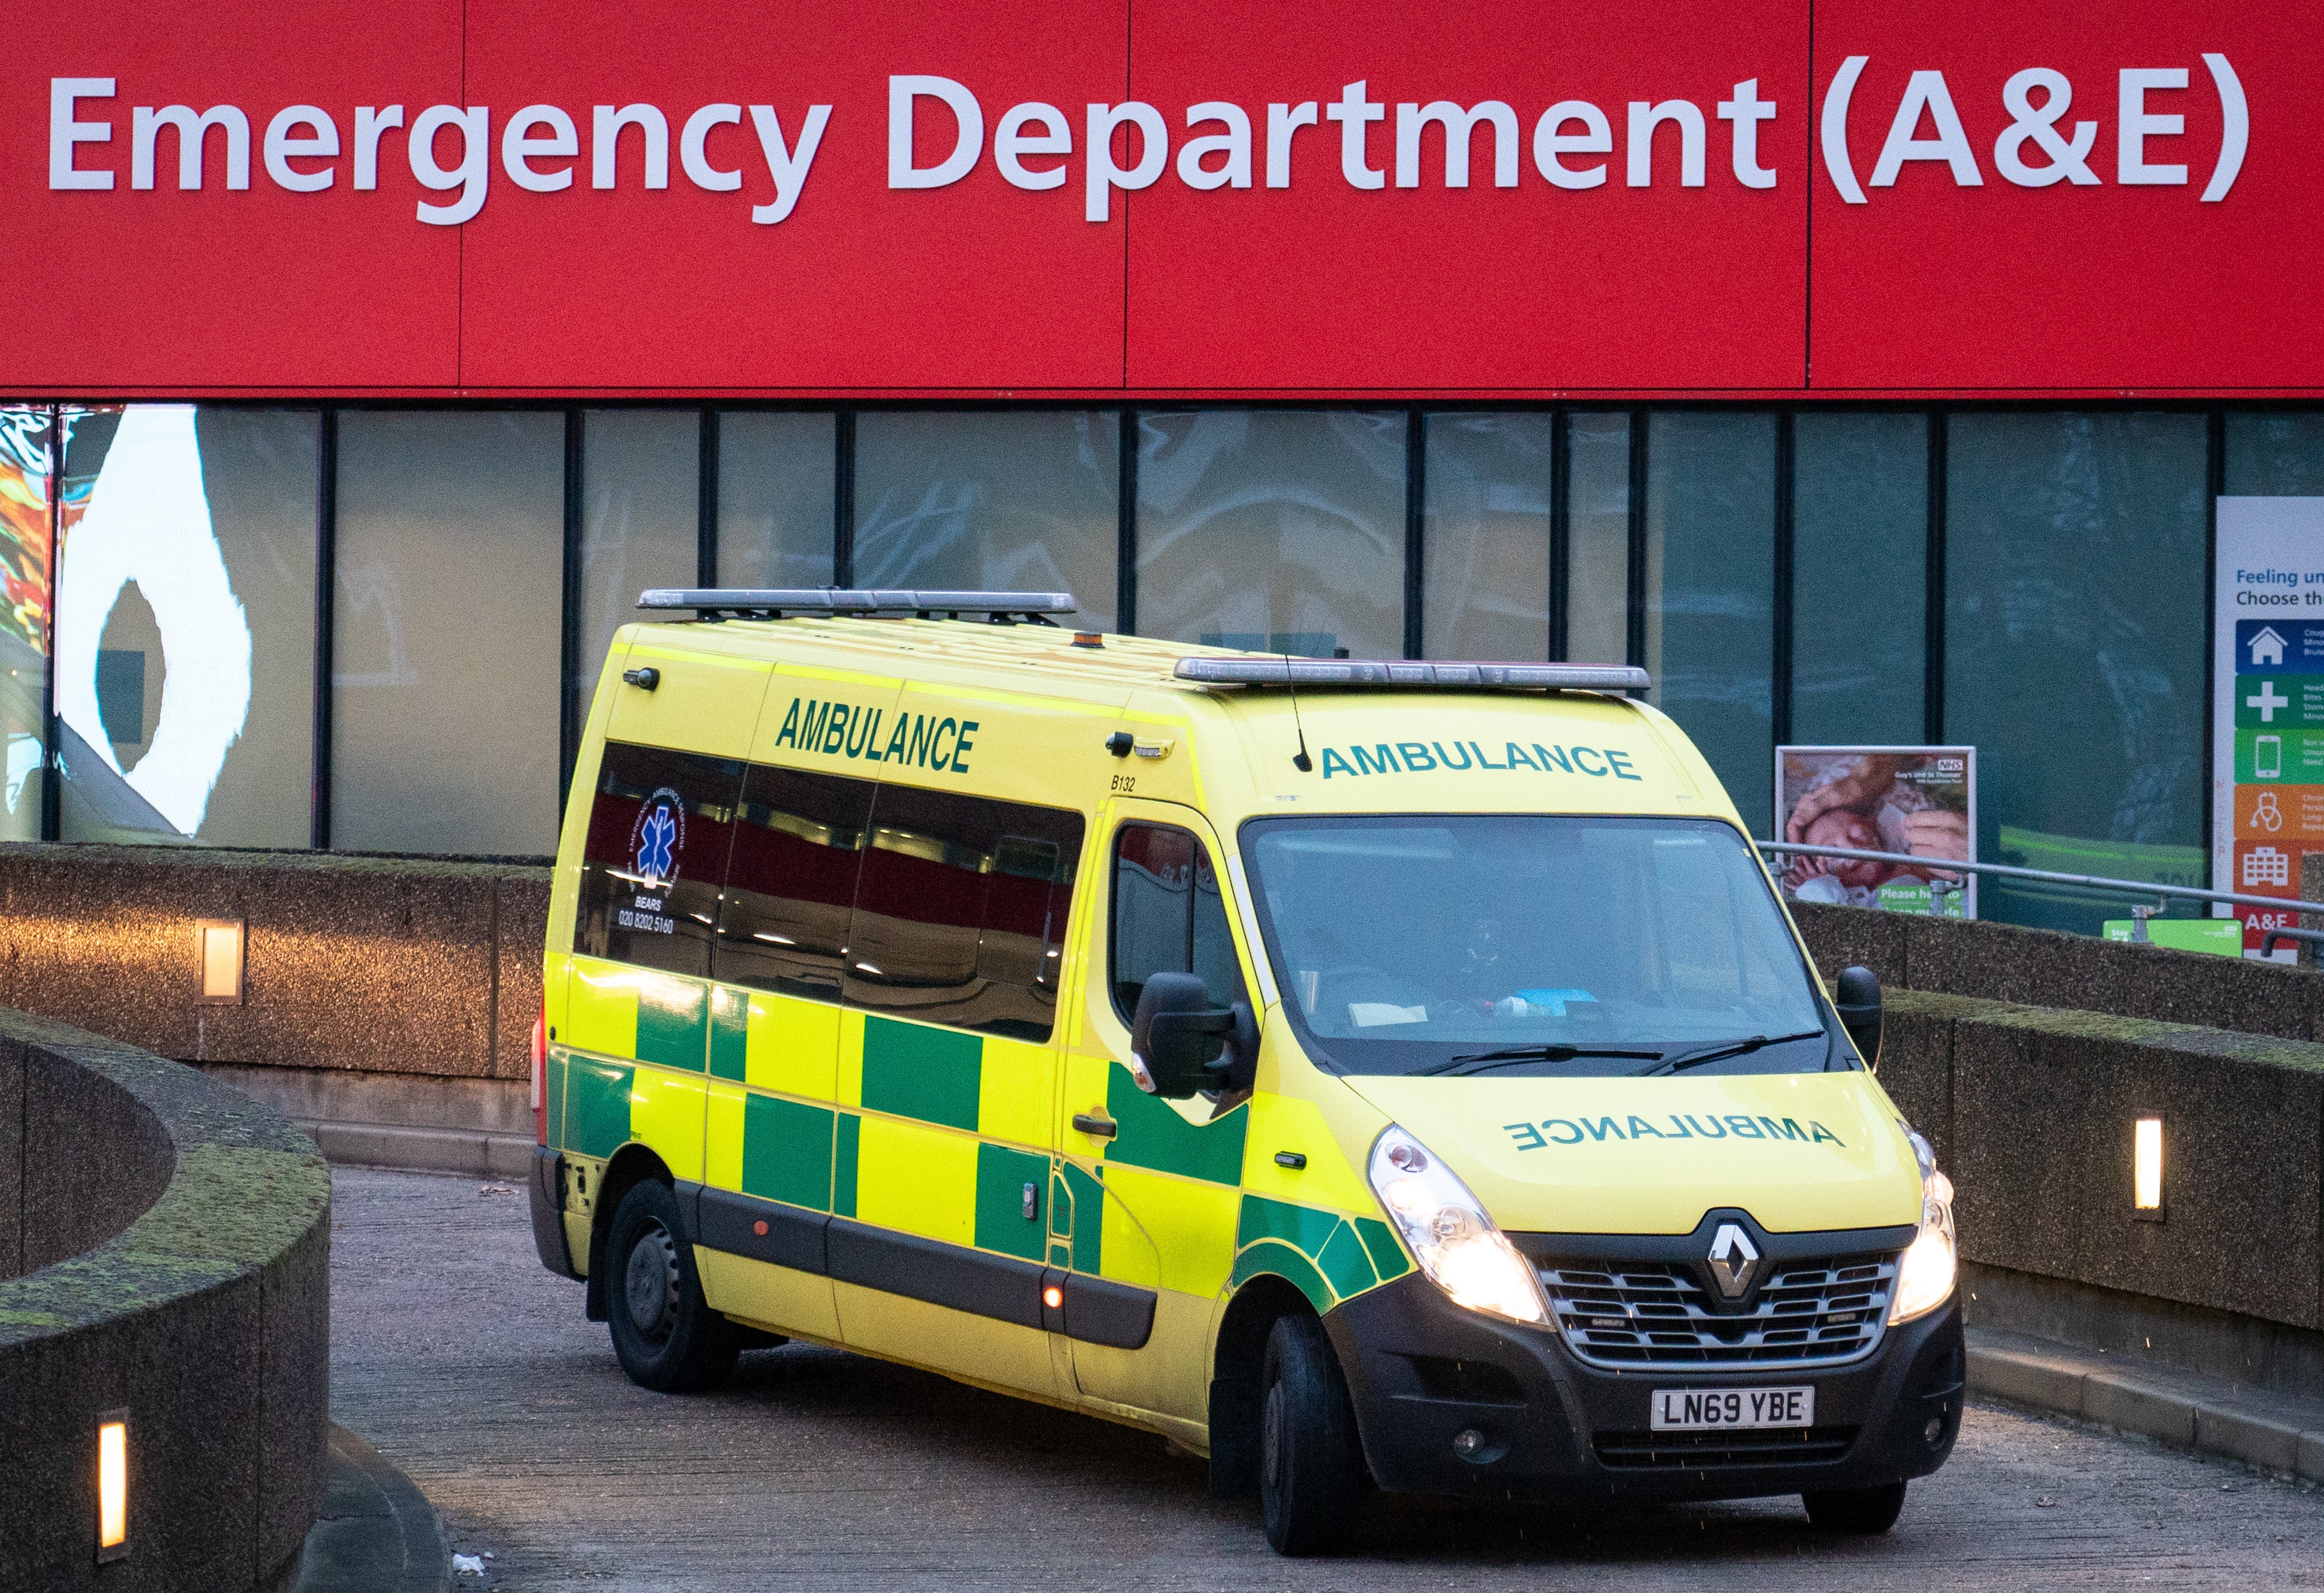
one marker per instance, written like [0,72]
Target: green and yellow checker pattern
[906,1126]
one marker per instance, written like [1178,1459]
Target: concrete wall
[2041,968]
[206,1316]
[2030,1110]
[382,965]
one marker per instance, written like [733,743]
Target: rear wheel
[665,1336]
[1856,1512]
[1310,1469]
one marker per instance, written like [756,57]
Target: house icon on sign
[2267,647]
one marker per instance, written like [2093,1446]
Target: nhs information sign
[2267,712]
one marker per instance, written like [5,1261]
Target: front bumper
[1422,1371]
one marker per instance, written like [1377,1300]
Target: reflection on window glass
[23,615]
[790,885]
[2275,455]
[1598,538]
[1411,943]
[992,502]
[1859,581]
[186,625]
[1710,584]
[1485,588]
[1275,530]
[659,828]
[958,909]
[640,520]
[451,547]
[1168,917]
[775,474]
[2074,602]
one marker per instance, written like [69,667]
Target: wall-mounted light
[112,1486]
[218,944]
[2146,1169]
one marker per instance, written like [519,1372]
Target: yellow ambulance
[1364,1074]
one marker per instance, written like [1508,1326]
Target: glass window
[790,885]
[1279,531]
[1496,944]
[1860,578]
[185,629]
[640,520]
[997,503]
[1485,585]
[775,493]
[450,592]
[2074,605]
[2275,455]
[1168,917]
[1598,538]
[1709,585]
[946,905]
[25,616]
[659,829]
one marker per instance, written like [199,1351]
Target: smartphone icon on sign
[2267,757]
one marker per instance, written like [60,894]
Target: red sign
[1029,199]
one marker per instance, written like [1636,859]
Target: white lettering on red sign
[1127,146]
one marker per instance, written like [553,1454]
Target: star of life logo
[657,838]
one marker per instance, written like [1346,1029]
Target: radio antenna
[1302,763]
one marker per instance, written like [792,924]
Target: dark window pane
[2074,598]
[1023,502]
[1486,583]
[1710,581]
[960,903]
[2275,454]
[792,884]
[23,627]
[1859,580]
[1168,917]
[659,830]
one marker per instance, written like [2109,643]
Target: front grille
[1701,1451]
[1809,1313]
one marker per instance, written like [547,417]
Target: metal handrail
[1953,865]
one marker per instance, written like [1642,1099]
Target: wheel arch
[1238,1349]
[629,1166]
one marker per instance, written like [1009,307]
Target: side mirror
[1176,1037]
[1859,1011]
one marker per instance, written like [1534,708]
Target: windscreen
[1530,944]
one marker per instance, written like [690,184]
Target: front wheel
[665,1334]
[1311,1468]
[1856,1512]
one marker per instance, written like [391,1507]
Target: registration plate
[1698,1410]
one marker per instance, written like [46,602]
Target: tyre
[1856,1512]
[665,1336]
[1311,1468]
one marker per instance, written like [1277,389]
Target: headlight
[1924,1279]
[1457,1245]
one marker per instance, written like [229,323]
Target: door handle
[1095,1126]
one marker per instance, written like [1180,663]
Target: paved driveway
[471,1368]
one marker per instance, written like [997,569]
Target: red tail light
[540,1078]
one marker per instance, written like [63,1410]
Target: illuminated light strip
[1402,674]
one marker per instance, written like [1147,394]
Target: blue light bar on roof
[1411,674]
[776,602]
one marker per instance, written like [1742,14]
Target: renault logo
[1734,1260]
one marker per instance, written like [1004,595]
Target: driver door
[1149,1190]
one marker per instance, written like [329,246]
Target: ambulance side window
[960,913]
[660,825]
[799,848]
[1168,917]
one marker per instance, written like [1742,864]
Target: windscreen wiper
[1720,1052]
[1514,1054]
